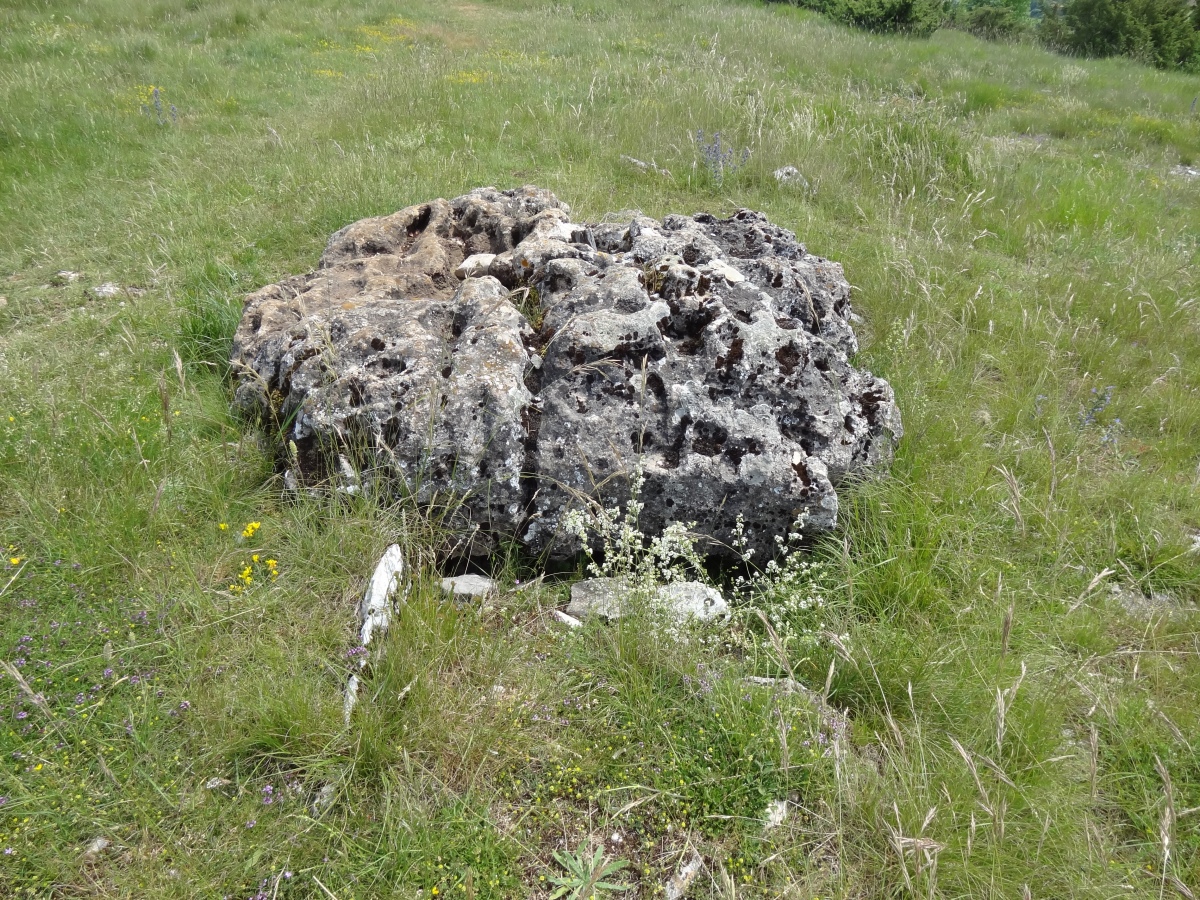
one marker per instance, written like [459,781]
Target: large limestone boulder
[490,350]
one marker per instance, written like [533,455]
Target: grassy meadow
[1008,619]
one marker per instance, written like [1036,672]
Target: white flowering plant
[615,546]
[789,592]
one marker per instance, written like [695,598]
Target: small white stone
[726,271]
[790,175]
[97,846]
[474,266]
[775,815]
[683,878]
[350,480]
[376,609]
[683,600]
[324,799]
[691,599]
[469,587]
[569,621]
[563,231]
[598,597]
[216,782]
[351,699]
[108,289]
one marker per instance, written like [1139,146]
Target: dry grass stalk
[34,697]
[1006,631]
[1013,504]
[1166,825]
[1093,757]
[922,850]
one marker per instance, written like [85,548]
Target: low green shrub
[995,22]
[919,18]
[1162,33]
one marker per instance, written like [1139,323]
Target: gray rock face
[489,348]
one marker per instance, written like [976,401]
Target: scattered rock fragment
[790,175]
[775,815]
[375,614]
[108,289]
[468,587]
[324,799]
[349,483]
[64,277]
[1135,602]
[682,600]
[1183,171]
[216,782]
[350,700]
[96,846]
[565,619]
[474,266]
[598,597]
[682,880]
[646,166]
[376,609]
[691,599]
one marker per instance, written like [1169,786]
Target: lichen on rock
[489,349]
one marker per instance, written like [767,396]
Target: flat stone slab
[469,587]
[1136,603]
[610,598]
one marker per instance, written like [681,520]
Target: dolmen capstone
[490,350]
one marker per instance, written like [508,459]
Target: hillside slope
[1008,621]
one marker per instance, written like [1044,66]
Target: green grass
[1025,263]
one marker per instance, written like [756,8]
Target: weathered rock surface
[491,349]
[681,600]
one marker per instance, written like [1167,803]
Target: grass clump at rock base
[1007,619]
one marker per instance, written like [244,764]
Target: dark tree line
[1162,33]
